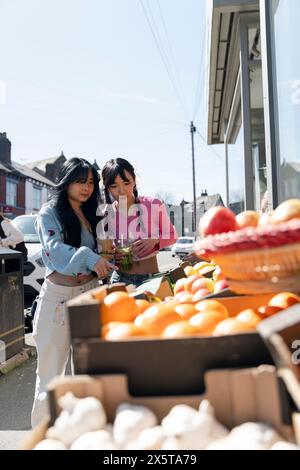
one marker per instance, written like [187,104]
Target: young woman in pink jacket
[139,223]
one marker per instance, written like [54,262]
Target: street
[17,387]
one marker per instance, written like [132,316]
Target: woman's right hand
[102,268]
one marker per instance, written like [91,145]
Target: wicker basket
[284,284]
[263,264]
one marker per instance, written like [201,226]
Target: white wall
[29,196]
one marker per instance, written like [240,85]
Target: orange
[249,316]
[179,329]
[123,331]
[156,318]
[284,300]
[170,303]
[142,305]
[268,311]
[232,326]
[212,305]
[186,299]
[186,311]
[206,321]
[118,306]
[138,320]
[108,326]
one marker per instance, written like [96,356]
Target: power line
[176,70]
[199,85]
[163,58]
[211,148]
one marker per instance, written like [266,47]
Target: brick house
[12,182]
[22,190]
[48,167]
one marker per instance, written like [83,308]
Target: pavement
[17,386]
[16,398]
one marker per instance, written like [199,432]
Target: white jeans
[51,335]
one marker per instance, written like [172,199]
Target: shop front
[254,99]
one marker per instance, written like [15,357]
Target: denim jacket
[57,256]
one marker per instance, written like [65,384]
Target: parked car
[34,269]
[183,247]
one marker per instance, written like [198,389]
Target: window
[11,193]
[37,198]
[286,18]
[236,173]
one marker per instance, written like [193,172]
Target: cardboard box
[237,396]
[158,287]
[156,366]
[236,304]
[281,334]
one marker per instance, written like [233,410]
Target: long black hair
[112,169]
[73,171]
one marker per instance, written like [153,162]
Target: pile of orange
[124,317]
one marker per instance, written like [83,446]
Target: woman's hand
[142,248]
[102,268]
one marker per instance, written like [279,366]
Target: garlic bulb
[282,445]
[97,440]
[190,429]
[130,421]
[78,417]
[148,439]
[248,436]
[50,444]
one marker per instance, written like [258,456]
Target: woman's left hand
[142,248]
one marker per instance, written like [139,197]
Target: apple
[288,210]
[220,285]
[202,283]
[190,280]
[180,285]
[200,294]
[217,220]
[179,295]
[247,219]
[218,275]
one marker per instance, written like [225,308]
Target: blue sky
[85,77]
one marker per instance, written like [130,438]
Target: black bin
[12,332]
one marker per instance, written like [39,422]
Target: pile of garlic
[82,425]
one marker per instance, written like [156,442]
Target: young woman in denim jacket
[67,230]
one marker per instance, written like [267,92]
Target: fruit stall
[184,361]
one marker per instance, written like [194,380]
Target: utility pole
[193,130]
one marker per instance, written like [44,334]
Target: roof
[96,166]
[10,168]
[294,165]
[41,164]
[29,173]
[223,60]
[204,203]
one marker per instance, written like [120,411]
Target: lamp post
[182,204]
[193,130]
[203,205]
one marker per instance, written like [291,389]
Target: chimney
[5,148]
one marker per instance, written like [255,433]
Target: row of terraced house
[24,188]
